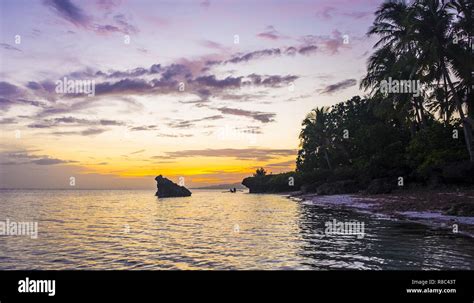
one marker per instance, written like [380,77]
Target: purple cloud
[256,115]
[306,50]
[68,11]
[240,154]
[9,47]
[270,33]
[330,89]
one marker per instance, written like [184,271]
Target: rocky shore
[452,210]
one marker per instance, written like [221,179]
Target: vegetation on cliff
[263,183]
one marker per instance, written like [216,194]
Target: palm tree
[260,172]
[316,135]
[433,30]
[416,42]
[396,56]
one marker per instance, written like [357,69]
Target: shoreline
[433,208]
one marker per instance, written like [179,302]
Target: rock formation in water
[167,188]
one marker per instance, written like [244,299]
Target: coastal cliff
[285,182]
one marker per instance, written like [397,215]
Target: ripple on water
[210,230]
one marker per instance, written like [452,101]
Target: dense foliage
[424,137]
[421,136]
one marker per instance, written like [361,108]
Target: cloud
[48,161]
[57,109]
[330,89]
[92,131]
[11,94]
[8,90]
[176,70]
[243,97]
[144,127]
[358,15]
[256,115]
[211,81]
[270,33]
[8,121]
[240,154]
[255,55]
[305,50]
[166,135]
[108,4]
[328,44]
[212,45]
[137,81]
[34,85]
[272,81]
[26,156]
[126,85]
[68,11]
[125,26]
[106,29]
[73,121]
[137,152]
[9,47]
[190,123]
[131,73]
[250,129]
[329,12]
[86,132]
[325,12]
[72,13]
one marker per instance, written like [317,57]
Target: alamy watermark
[13,228]
[350,228]
[37,286]
[78,87]
[393,86]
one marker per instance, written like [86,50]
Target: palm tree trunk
[445,105]
[466,125]
[327,159]
[422,113]
[417,114]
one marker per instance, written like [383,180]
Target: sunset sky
[251,71]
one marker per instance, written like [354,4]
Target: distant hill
[222,186]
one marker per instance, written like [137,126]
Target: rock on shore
[167,188]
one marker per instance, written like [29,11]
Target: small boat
[231,190]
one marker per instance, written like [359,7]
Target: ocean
[134,230]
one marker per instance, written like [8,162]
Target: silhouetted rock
[167,188]
[284,182]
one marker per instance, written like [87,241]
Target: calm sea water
[121,229]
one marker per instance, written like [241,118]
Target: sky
[205,91]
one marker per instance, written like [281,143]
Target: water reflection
[386,244]
[135,230]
